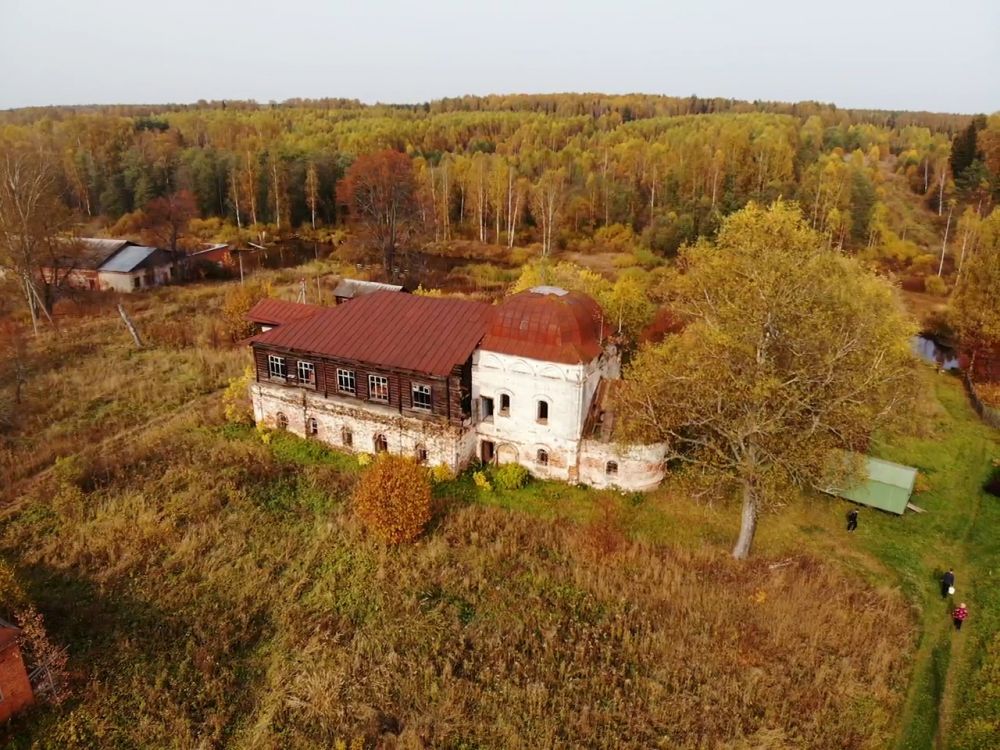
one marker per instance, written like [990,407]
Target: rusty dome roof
[547,323]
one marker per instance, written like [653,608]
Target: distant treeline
[664,168]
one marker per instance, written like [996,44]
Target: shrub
[441,473]
[236,399]
[616,237]
[922,484]
[482,481]
[511,476]
[237,303]
[924,263]
[935,285]
[393,498]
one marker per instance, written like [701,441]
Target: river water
[932,352]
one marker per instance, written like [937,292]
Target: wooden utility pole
[130,326]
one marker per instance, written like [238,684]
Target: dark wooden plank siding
[446,393]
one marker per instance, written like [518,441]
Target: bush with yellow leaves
[393,498]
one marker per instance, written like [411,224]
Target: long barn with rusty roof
[449,381]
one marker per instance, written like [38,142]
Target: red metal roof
[548,324]
[278,312]
[401,331]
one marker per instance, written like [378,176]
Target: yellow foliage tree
[237,303]
[393,498]
[793,352]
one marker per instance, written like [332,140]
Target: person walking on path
[948,583]
[959,615]
[852,520]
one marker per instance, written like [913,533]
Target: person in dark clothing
[959,615]
[947,581]
[852,520]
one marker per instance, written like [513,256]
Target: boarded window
[345,381]
[542,457]
[312,426]
[307,373]
[276,366]
[504,405]
[543,411]
[421,397]
[611,468]
[346,437]
[378,388]
[381,444]
[281,420]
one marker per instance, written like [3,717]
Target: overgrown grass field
[215,590]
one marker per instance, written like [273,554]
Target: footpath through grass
[961,529]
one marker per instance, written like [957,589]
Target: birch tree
[547,196]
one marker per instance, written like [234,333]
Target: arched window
[504,405]
[543,411]
[611,468]
[346,437]
[281,421]
[381,444]
[421,454]
[312,427]
[542,457]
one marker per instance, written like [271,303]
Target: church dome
[547,323]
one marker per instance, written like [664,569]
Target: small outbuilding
[349,289]
[15,687]
[888,487]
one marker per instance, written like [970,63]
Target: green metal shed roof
[888,486]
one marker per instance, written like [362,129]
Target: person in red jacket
[959,616]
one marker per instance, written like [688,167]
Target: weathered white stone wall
[119,282]
[125,282]
[518,435]
[640,467]
[446,444]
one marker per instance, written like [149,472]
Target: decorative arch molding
[490,361]
[521,367]
[552,372]
[507,453]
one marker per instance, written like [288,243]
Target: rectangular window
[421,397]
[345,381]
[276,366]
[378,388]
[487,409]
[307,373]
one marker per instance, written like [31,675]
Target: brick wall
[14,685]
[445,442]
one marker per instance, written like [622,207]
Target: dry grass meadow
[217,591]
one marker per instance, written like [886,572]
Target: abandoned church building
[447,380]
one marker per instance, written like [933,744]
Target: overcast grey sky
[891,54]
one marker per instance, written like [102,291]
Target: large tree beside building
[791,353]
[380,191]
